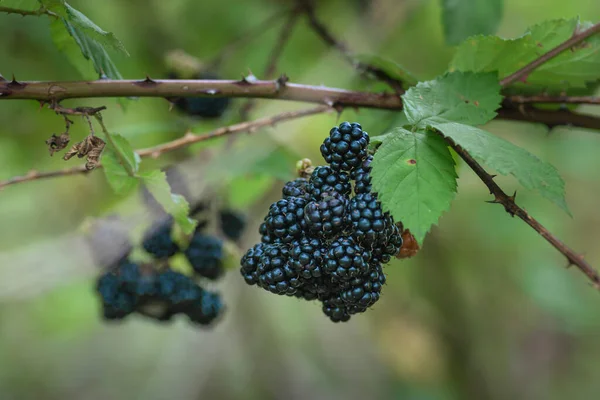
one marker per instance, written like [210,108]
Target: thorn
[493,176]
[282,80]
[513,197]
[14,84]
[495,201]
[149,80]
[146,82]
[2,79]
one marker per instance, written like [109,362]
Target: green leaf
[462,97]
[123,147]
[392,68]
[464,18]
[73,42]
[413,172]
[573,68]
[506,158]
[174,204]
[116,175]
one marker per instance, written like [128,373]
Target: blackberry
[285,219]
[362,176]
[129,275]
[205,107]
[346,259]
[158,242]
[147,285]
[117,302]
[307,257]
[265,237]
[325,179]
[295,188]
[205,254]
[326,217]
[335,309]
[206,309]
[346,146]
[383,252]
[249,263]
[274,271]
[369,223]
[232,223]
[362,292]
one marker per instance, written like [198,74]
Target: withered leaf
[57,143]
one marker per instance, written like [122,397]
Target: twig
[36,13]
[321,29]
[187,140]
[284,36]
[567,44]
[561,99]
[550,118]
[513,209]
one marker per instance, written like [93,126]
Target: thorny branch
[40,11]
[186,140]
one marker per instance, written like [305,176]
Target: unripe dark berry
[346,146]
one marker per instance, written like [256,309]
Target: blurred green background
[486,310]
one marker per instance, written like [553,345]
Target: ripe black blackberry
[384,251]
[285,219]
[205,107]
[307,257]
[325,179]
[249,263]
[370,225]
[274,271]
[232,223]
[158,242]
[206,309]
[265,237]
[364,291]
[362,176]
[346,146]
[205,254]
[335,309]
[296,188]
[346,259]
[117,302]
[326,217]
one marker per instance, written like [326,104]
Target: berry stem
[116,148]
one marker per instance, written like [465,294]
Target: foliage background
[485,311]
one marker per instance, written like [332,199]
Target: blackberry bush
[205,254]
[325,179]
[346,146]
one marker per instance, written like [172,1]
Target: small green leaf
[464,18]
[174,204]
[415,178]
[390,67]
[570,69]
[506,158]
[123,147]
[116,175]
[462,97]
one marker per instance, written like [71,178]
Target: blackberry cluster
[318,242]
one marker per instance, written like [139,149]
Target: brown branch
[184,141]
[513,209]
[24,13]
[321,29]
[567,44]
[276,52]
[561,99]
[550,118]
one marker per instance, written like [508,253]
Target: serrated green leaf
[74,43]
[392,68]
[174,204]
[506,158]
[470,98]
[116,175]
[413,172]
[126,151]
[464,18]
[573,68]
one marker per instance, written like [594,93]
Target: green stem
[117,150]
[35,13]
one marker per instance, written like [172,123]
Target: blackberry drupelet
[364,291]
[346,259]
[205,107]
[158,242]
[335,309]
[265,237]
[307,257]
[232,223]
[326,217]
[370,225]
[296,188]
[274,271]
[362,176]
[325,179]
[346,146]
[249,263]
[205,254]
[285,219]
